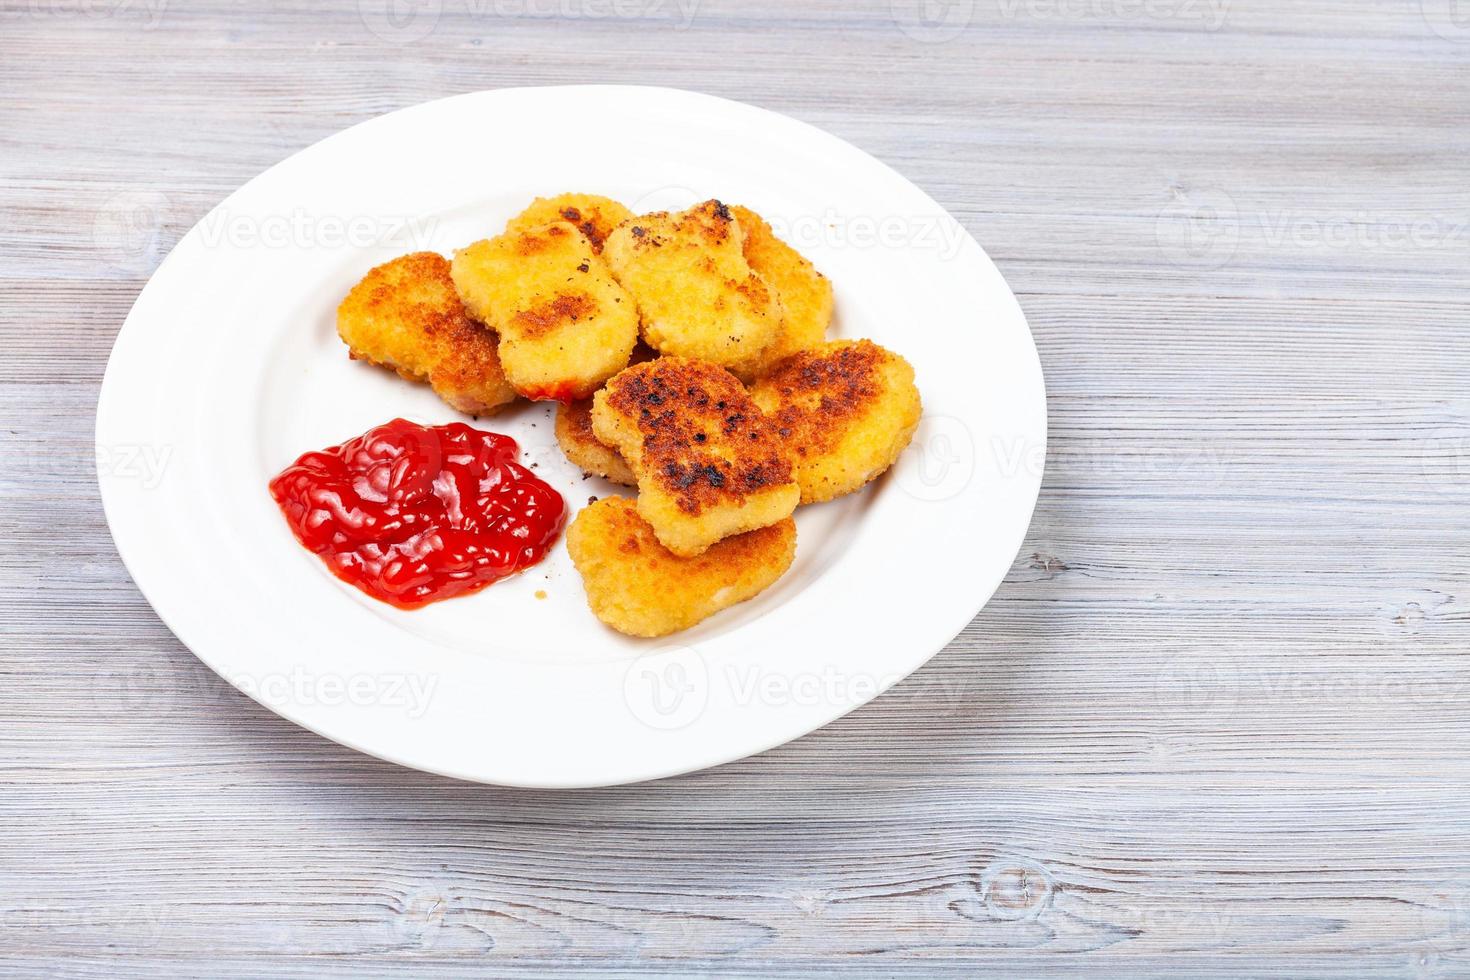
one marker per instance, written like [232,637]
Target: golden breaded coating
[637,586]
[574,435]
[806,294]
[845,409]
[594,216]
[565,324]
[708,463]
[697,294]
[580,445]
[405,315]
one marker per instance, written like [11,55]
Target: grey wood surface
[1216,721]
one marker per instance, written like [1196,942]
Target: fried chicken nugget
[696,292]
[580,445]
[637,586]
[846,410]
[806,294]
[594,216]
[708,463]
[574,435]
[405,315]
[565,324]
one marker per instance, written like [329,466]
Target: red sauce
[563,391]
[411,514]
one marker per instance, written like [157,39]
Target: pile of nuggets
[688,352]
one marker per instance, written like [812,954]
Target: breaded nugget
[574,435]
[845,409]
[406,316]
[594,216]
[565,324]
[708,463]
[580,445]
[806,294]
[697,294]
[637,586]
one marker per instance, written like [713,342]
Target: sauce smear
[412,514]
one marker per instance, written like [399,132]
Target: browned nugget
[696,293]
[580,444]
[846,410]
[806,294]
[708,463]
[575,436]
[594,216]
[405,315]
[565,324]
[637,586]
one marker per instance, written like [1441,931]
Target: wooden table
[1215,722]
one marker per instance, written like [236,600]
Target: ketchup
[412,514]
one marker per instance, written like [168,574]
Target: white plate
[229,367]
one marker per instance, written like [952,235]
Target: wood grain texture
[1217,720]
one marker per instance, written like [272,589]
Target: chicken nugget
[406,316]
[806,294]
[845,410]
[708,463]
[580,445]
[574,435]
[697,294]
[637,586]
[594,216]
[565,324]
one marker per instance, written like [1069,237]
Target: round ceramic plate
[229,367]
